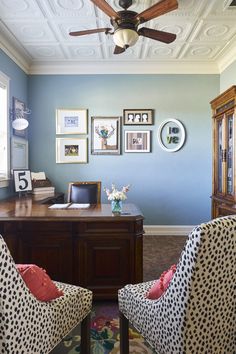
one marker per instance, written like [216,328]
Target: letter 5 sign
[22,180]
[171,135]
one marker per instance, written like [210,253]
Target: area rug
[104,334]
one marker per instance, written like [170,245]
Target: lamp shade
[125,37]
[20,123]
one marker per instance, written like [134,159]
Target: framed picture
[22,180]
[138,116]
[71,121]
[19,153]
[105,137]
[18,109]
[69,150]
[171,135]
[137,141]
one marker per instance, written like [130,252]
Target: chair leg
[124,334]
[85,335]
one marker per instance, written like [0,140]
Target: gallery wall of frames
[72,134]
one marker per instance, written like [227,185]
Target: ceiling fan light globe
[125,38]
[20,123]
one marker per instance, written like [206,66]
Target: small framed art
[138,116]
[22,180]
[19,153]
[137,141]
[105,133]
[69,150]
[71,121]
[171,135]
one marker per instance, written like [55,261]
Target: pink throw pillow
[38,282]
[160,285]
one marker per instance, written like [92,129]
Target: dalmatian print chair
[30,326]
[197,312]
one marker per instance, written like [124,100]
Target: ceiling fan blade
[161,8]
[118,50]
[91,31]
[161,36]
[105,7]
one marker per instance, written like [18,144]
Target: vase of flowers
[116,197]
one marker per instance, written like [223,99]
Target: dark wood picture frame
[138,116]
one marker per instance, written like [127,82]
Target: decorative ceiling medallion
[84,52]
[32,32]
[163,51]
[201,51]
[216,31]
[70,4]
[171,135]
[46,51]
[16,5]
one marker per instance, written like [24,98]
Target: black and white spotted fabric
[29,326]
[197,313]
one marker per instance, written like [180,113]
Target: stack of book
[43,186]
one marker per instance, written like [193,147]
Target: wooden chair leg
[124,334]
[85,335]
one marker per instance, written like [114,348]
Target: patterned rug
[104,334]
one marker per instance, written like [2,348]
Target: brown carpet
[159,253]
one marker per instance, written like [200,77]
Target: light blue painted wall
[228,77]
[170,188]
[18,88]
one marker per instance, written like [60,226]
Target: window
[4,126]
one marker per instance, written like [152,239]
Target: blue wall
[18,88]
[228,77]
[170,188]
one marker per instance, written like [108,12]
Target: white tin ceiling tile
[191,7]
[222,8]
[201,51]
[162,52]
[70,8]
[180,27]
[64,28]
[19,9]
[31,31]
[81,52]
[46,52]
[215,31]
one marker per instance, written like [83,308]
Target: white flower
[114,194]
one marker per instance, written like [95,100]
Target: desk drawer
[110,227]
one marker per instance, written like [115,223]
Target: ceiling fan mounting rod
[125,3]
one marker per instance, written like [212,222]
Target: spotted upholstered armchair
[197,312]
[30,326]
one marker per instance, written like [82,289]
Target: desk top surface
[25,208]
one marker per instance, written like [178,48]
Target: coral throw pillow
[160,285]
[38,282]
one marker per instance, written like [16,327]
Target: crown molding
[227,60]
[108,67]
[13,51]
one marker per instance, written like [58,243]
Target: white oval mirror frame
[182,139]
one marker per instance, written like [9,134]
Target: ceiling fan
[126,23]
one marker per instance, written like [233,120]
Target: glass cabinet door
[229,154]
[219,152]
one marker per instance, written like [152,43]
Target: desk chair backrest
[84,192]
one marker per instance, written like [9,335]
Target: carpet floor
[104,334]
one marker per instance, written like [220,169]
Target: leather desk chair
[84,192]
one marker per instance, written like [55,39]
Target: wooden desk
[87,247]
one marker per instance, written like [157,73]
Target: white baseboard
[170,230]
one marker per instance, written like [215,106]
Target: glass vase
[116,206]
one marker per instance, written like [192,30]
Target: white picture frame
[71,121]
[171,135]
[22,180]
[71,150]
[137,141]
[19,153]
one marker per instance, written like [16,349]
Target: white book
[78,206]
[59,206]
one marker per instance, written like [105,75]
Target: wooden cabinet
[224,153]
[87,247]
